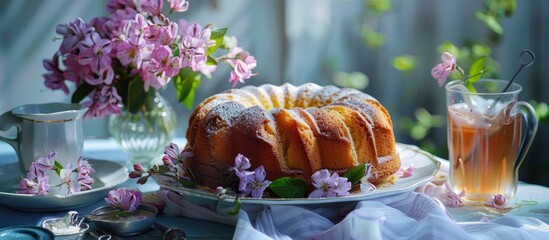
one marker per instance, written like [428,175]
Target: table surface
[533,198]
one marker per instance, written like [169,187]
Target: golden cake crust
[291,131]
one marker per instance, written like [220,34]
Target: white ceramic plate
[108,174]
[425,165]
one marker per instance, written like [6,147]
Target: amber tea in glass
[489,133]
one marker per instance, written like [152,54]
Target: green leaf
[404,63]
[136,95]
[476,70]
[183,82]
[81,92]
[355,174]
[217,36]
[211,61]
[189,100]
[289,187]
[58,167]
[470,87]
[186,183]
[236,208]
[491,22]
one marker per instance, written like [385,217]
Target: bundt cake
[291,131]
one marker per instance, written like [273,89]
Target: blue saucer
[26,232]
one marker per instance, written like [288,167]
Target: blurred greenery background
[383,47]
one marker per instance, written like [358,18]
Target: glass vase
[143,135]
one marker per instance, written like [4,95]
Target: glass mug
[43,128]
[489,133]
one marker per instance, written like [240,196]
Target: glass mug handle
[529,115]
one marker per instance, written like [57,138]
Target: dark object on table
[171,233]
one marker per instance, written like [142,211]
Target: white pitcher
[43,128]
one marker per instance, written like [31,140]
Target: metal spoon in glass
[526,59]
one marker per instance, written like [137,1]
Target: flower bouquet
[116,60]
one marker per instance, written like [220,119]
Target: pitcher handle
[8,120]
[529,116]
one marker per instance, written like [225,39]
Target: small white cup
[43,128]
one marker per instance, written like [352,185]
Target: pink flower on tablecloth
[454,199]
[497,201]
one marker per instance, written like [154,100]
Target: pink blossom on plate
[37,186]
[179,5]
[73,186]
[85,170]
[256,183]
[408,172]
[442,70]
[40,166]
[172,152]
[329,185]
[241,166]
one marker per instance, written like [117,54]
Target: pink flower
[408,172]
[497,201]
[341,185]
[133,48]
[242,63]
[179,5]
[104,76]
[163,61]
[172,152]
[73,33]
[94,51]
[73,186]
[256,183]
[124,199]
[329,185]
[54,79]
[85,170]
[454,199]
[40,166]
[113,5]
[241,165]
[153,7]
[442,70]
[37,186]
[75,72]
[194,45]
[105,101]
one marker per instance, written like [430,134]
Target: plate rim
[49,234]
[203,194]
[55,198]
